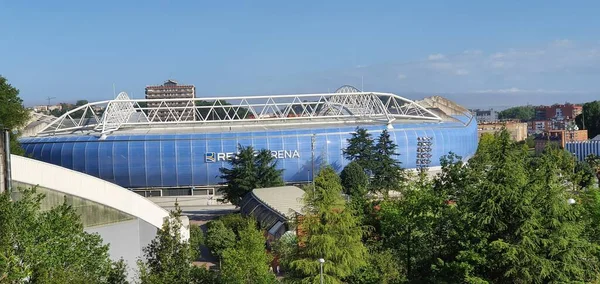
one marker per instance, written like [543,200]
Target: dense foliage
[229,110]
[503,218]
[387,173]
[590,118]
[50,246]
[249,170]
[328,230]
[522,113]
[361,149]
[247,260]
[219,238]
[12,113]
[167,257]
[354,180]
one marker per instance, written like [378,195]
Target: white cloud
[473,52]
[498,55]
[537,71]
[461,72]
[562,43]
[498,64]
[514,90]
[441,66]
[437,56]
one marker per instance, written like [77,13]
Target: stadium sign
[212,157]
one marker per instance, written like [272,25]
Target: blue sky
[479,53]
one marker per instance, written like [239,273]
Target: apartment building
[517,130]
[170,110]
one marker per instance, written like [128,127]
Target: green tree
[235,221]
[387,172]
[519,218]
[584,175]
[219,238]
[12,113]
[416,228]
[285,249]
[118,273]
[522,113]
[234,112]
[355,181]
[361,148]
[249,171]
[81,102]
[502,218]
[196,241]
[590,205]
[590,118]
[168,258]
[50,246]
[381,268]
[594,162]
[247,261]
[328,231]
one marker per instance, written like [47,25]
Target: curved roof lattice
[347,104]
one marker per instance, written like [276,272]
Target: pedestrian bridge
[124,219]
[67,182]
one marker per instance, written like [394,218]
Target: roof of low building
[287,200]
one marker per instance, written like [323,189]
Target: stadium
[128,143]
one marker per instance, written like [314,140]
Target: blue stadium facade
[582,149]
[182,160]
[188,158]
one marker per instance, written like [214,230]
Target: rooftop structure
[274,207]
[348,105]
[489,115]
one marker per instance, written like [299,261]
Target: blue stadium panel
[194,159]
[582,149]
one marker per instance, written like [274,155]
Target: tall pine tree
[355,181]
[328,230]
[249,170]
[387,172]
[361,148]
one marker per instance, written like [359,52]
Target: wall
[126,240]
[518,130]
[180,160]
[582,149]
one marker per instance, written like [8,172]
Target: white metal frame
[347,104]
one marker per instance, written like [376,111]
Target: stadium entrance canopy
[347,104]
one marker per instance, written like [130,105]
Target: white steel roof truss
[352,104]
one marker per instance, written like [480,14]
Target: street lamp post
[313,138]
[321,261]
[5,171]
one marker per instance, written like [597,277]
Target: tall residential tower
[178,110]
